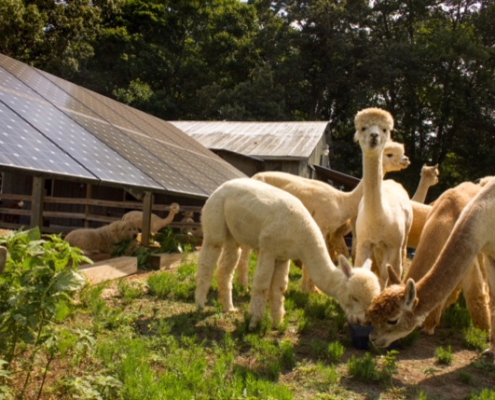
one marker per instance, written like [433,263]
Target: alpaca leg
[261,286]
[207,261]
[280,281]
[473,287]
[308,285]
[225,273]
[243,267]
[490,274]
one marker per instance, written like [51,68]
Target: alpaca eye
[354,299]
[393,321]
[384,130]
[363,128]
[390,155]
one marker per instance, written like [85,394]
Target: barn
[251,147]
[70,157]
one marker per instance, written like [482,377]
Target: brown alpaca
[429,177]
[440,223]
[400,308]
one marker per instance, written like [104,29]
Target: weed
[444,355]
[366,367]
[318,348]
[475,338]
[129,291]
[466,377]
[485,394]
[457,316]
[336,351]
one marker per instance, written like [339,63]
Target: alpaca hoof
[253,325]
[428,331]
[488,353]
[231,309]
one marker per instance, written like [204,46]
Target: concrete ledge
[113,268]
[163,261]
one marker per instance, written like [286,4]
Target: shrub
[444,356]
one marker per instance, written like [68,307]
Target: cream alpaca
[440,223]
[385,212]
[429,177]
[331,208]
[157,223]
[400,308]
[252,213]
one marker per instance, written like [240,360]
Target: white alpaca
[429,177]
[157,223]
[400,308]
[385,213]
[252,213]
[331,208]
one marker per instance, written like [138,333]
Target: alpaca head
[174,208]
[430,173]
[373,129]
[361,287]
[392,312]
[394,157]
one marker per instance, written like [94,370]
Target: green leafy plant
[475,338]
[444,355]
[171,242]
[41,276]
[336,351]
[367,369]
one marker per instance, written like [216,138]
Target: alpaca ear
[393,278]
[356,137]
[410,298]
[367,264]
[345,266]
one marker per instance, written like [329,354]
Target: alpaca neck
[326,276]
[421,191]
[449,269]
[166,221]
[349,203]
[372,178]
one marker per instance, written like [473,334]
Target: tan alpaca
[429,177]
[400,308]
[385,213]
[440,223]
[248,212]
[157,223]
[331,208]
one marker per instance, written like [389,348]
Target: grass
[147,340]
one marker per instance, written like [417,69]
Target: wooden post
[37,203]
[89,193]
[147,207]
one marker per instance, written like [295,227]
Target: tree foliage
[431,63]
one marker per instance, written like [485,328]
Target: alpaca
[385,213]
[400,308]
[157,223]
[429,177]
[331,208]
[439,224]
[249,212]
[420,216]
[101,240]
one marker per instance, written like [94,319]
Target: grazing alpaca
[429,177]
[103,239]
[252,213]
[331,208]
[157,223]
[400,308]
[439,224]
[385,213]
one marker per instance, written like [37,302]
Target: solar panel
[110,141]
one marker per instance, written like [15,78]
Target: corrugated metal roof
[52,127]
[266,140]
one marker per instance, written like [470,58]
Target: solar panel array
[54,127]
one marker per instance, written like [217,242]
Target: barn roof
[51,127]
[266,140]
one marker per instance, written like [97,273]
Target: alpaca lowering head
[360,288]
[394,157]
[373,129]
[392,311]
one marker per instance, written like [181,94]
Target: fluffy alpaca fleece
[252,213]
[429,177]
[400,308]
[157,223]
[385,213]
[101,240]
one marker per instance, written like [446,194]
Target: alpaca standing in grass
[252,213]
[385,212]
[400,308]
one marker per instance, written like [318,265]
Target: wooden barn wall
[243,164]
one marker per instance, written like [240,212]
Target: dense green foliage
[431,63]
